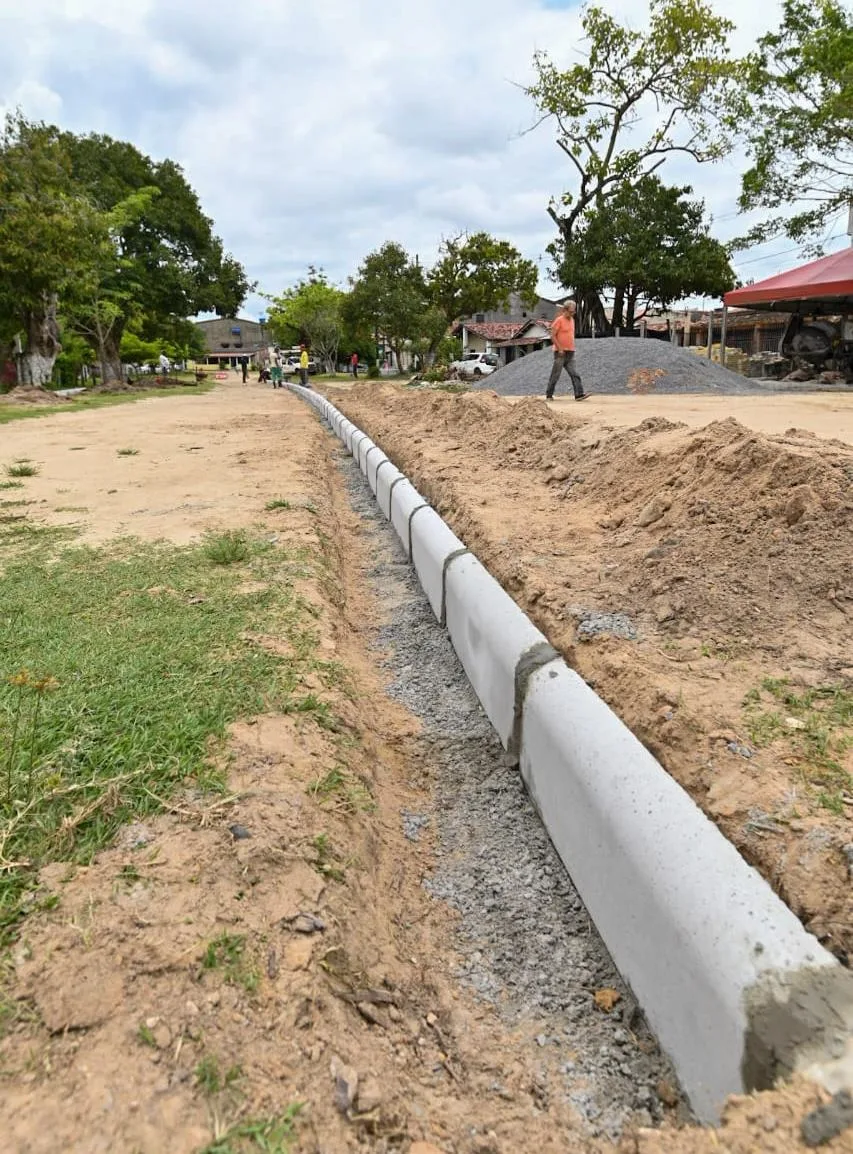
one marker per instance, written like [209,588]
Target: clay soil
[137,1024]
[725,554]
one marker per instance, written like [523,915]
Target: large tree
[637,97]
[48,232]
[170,264]
[478,273]
[646,244]
[799,85]
[388,297]
[311,312]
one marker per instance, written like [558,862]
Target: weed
[349,793]
[228,953]
[146,1036]
[278,503]
[129,874]
[22,469]
[317,709]
[451,387]
[326,857]
[11,484]
[71,509]
[833,802]
[207,1075]
[226,548]
[128,452]
[268,1135]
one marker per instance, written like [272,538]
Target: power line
[783,252]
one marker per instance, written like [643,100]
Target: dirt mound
[31,395]
[699,578]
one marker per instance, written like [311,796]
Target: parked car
[291,365]
[476,365]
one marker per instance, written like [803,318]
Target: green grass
[146,1036]
[278,503]
[327,859]
[228,954]
[210,1080]
[10,413]
[120,670]
[11,484]
[128,452]
[267,1135]
[817,725]
[22,469]
[343,790]
[228,548]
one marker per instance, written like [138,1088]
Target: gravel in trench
[528,945]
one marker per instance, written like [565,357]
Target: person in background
[244,368]
[276,374]
[303,366]
[354,363]
[563,340]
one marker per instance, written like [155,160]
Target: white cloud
[314,133]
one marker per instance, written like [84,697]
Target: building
[511,333]
[229,340]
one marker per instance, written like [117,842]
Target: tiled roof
[494,330]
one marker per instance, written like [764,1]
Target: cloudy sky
[314,130]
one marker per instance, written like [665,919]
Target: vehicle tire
[478,372]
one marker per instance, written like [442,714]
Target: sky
[315,130]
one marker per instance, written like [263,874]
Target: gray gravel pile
[527,942]
[605,365]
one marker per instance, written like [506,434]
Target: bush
[435,374]
[373,373]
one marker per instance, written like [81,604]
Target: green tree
[388,298]
[637,98]
[646,244]
[171,264]
[47,232]
[477,273]
[310,313]
[799,85]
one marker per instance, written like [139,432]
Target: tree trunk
[630,310]
[618,318]
[35,364]
[110,358]
[591,311]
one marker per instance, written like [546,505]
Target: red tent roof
[829,277]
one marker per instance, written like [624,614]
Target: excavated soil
[688,574]
[347,995]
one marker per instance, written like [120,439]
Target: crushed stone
[622,365]
[527,944]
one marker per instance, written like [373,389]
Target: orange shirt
[563,333]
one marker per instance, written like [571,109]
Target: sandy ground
[824,414]
[354,1011]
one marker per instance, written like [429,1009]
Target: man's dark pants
[303,376]
[564,361]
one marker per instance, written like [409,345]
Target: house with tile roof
[511,333]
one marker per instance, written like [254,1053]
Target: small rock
[239,832]
[794,723]
[667,1093]
[431,1019]
[307,924]
[346,1084]
[370,1096]
[741,750]
[769,1123]
[297,954]
[561,473]
[653,511]
[827,1122]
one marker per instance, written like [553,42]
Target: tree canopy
[647,244]
[638,97]
[311,312]
[799,86]
[478,273]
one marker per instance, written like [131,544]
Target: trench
[524,942]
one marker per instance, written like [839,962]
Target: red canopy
[829,279]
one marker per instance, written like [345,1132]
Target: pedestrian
[276,375]
[303,366]
[563,340]
[354,362]
[244,365]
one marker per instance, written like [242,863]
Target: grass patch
[128,452]
[327,860]
[452,387]
[115,694]
[210,1080]
[228,954]
[22,469]
[343,791]
[11,484]
[146,1036]
[268,1135]
[816,724]
[228,548]
[10,413]
[277,503]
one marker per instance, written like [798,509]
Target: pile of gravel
[607,364]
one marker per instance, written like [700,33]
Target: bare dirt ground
[193,978]
[699,578]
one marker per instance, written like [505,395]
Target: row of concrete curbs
[738,993]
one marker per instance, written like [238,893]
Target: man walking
[563,340]
[303,366]
[354,366]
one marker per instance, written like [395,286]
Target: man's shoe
[549,396]
[583,397]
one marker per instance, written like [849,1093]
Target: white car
[476,365]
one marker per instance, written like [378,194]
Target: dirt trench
[238,957]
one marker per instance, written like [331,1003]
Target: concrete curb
[738,993]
